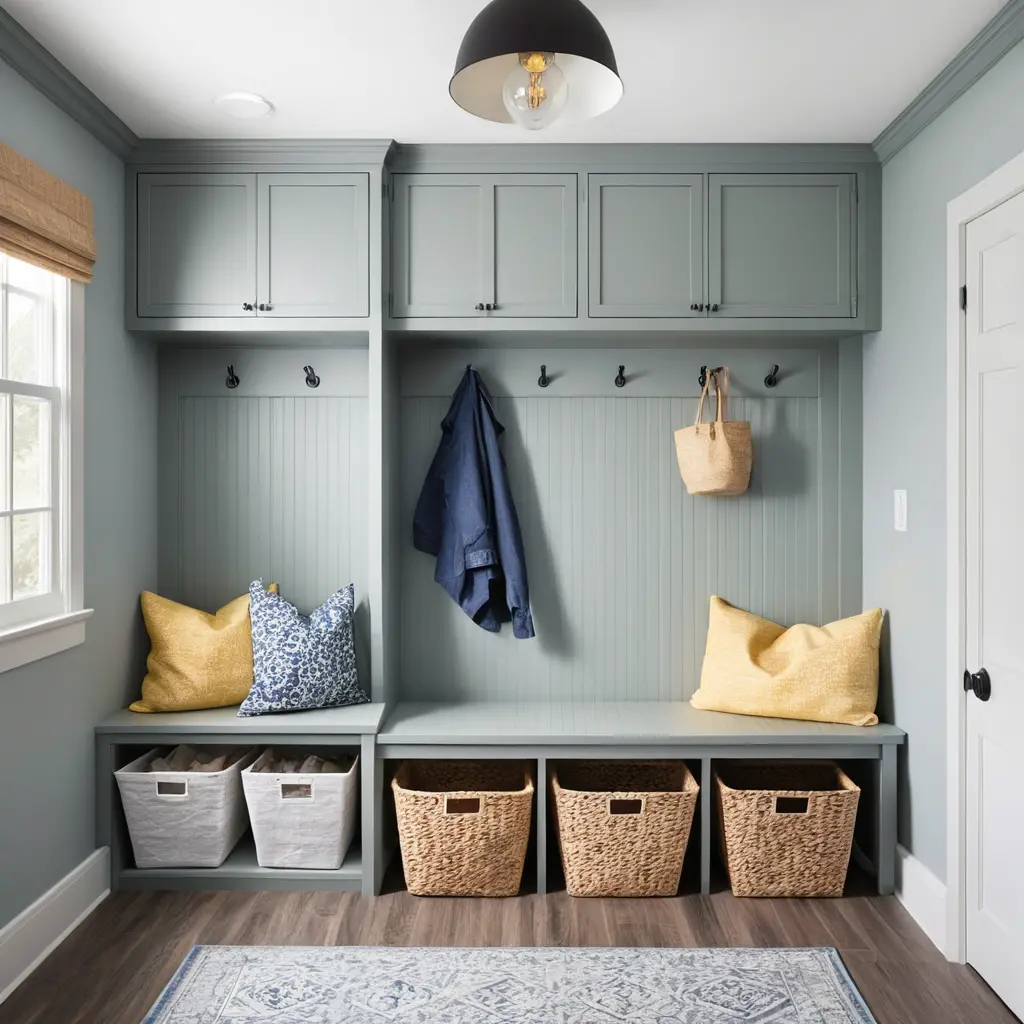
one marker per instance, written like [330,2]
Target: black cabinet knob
[980,683]
[247,307]
[479,305]
[490,306]
[693,306]
[714,308]
[700,307]
[265,307]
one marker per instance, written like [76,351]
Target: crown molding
[610,157]
[264,152]
[39,67]
[993,42]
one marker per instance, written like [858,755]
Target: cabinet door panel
[646,244]
[781,245]
[535,245]
[313,245]
[439,261]
[196,244]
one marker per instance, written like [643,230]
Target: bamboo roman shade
[43,220]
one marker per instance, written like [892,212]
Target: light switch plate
[899,508]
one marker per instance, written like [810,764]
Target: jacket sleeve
[508,534]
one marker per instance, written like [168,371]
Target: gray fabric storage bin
[183,819]
[301,821]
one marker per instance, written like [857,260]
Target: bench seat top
[611,722]
[356,720]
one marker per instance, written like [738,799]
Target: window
[35,445]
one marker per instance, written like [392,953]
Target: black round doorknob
[979,683]
[693,306]
[479,305]
[489,306]
[714,308]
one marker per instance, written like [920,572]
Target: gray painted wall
[48,709]
[904,429]
[621,560]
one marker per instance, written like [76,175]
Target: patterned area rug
[360,985]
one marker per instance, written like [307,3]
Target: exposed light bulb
[535,93]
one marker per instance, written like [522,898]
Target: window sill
[22,645]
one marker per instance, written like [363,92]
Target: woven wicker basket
[463,826]
[786,828]
[623,826]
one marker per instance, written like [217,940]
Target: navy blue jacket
[466,517]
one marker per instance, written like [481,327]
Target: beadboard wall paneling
[621,560]
[260,482]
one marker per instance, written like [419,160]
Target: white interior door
[995,606]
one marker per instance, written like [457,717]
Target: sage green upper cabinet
[313,245]
[781,245]
[646,236]
[438,245]
[253,245]
[484,245]
[196,245]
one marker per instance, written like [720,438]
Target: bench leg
[886,824]
[706,784]
[106,829]
[371,775]
[541,789]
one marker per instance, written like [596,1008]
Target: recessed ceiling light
[245,106]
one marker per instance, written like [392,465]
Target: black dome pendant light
[532,62]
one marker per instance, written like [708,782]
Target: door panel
[995,567]
[313,245]
[439,259]
[535,245]
[781,245]
[196,244]
[646,244]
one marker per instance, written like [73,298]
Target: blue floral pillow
[301,662]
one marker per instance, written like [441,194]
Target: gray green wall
[904,429]
[48,709]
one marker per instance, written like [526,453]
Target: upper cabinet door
[197,245]
[439,241]
[534,245]
[484,245]
[781,245]
[646,245]
[313,245]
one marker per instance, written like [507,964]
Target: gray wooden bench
[353,728]
[539,732]
[563,731]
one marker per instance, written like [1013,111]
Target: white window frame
[35,628]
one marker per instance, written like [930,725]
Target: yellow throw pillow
[815,673]
[197,660]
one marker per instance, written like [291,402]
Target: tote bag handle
[718,398]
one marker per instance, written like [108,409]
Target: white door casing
[994,568]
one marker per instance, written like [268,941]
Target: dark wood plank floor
[112,968]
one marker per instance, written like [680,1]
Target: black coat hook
[542,380]
[312,380]
[704,371]
[773,377]
[620,381]
[233,379]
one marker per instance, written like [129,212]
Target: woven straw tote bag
[715,457]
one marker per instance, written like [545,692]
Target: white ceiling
[694,70]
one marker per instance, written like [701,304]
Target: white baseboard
[923,896]
[30,938]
